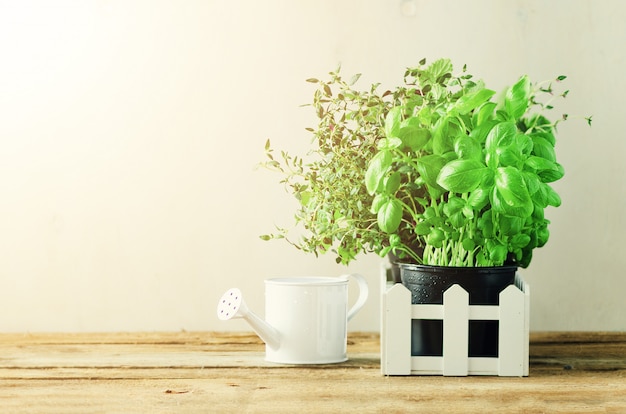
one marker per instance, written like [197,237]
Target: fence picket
[512,312]
[455,331]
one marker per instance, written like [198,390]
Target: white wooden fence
[512,314]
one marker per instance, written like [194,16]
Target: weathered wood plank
[225,372]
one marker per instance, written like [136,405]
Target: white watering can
[306,317]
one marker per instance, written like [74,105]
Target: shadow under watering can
[306,318]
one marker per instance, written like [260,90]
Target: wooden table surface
[207,372]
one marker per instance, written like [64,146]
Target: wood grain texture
[196,372]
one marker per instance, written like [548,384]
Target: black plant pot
[427,285]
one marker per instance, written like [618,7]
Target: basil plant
[463,176]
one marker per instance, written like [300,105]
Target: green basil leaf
[429,166]
[480,132]
[414,137]
[453,206]
[467,147]
[500,136]
[472,100]
[497,253]
[422,229]
[478,198]
[378,202]
[533,183]
[517,98]
[523,144]
[457,220]
[468,244]
[511,194]
[392,121]
[540,197]
[539,163]
[376,171]
[520,240]
[543,234]
[510,225]
[550,176]
[483,113]
[485,223]
[390,215]
[446,129]
[508,157]
[547,171]
[462,176]
[392,182]
[543,148]
[554,199]
[435,238]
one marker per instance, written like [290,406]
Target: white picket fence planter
[512,314]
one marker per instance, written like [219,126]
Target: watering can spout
[232,305]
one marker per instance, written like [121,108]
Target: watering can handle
[363,293]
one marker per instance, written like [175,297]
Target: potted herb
[468,179]
[334,211]
[434,172]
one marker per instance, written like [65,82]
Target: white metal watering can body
[306,317]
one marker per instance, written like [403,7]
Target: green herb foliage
[334,205]
[463,176]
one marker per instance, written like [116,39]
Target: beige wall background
[130,129]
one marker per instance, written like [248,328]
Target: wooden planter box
[512,315]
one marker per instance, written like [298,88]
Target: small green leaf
[511,194]
[472,100]
[423,228]
[520,240]
[478,198]
[457,220]
[546,170]
[390,215]
[510,225]
[462,176]
[550,176]
[392,182]
[517,98]
[467,148]
[414,137]
[429,166]
[543,234]
[378,202]
[497,253]
[393,121]
[483,113]
[533,183]
[435,238]
[485,223]
[468,244]
[502,135]
[554,199]
[444,132]
[453,205]
[376,171]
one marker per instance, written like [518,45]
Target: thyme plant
[329,181]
